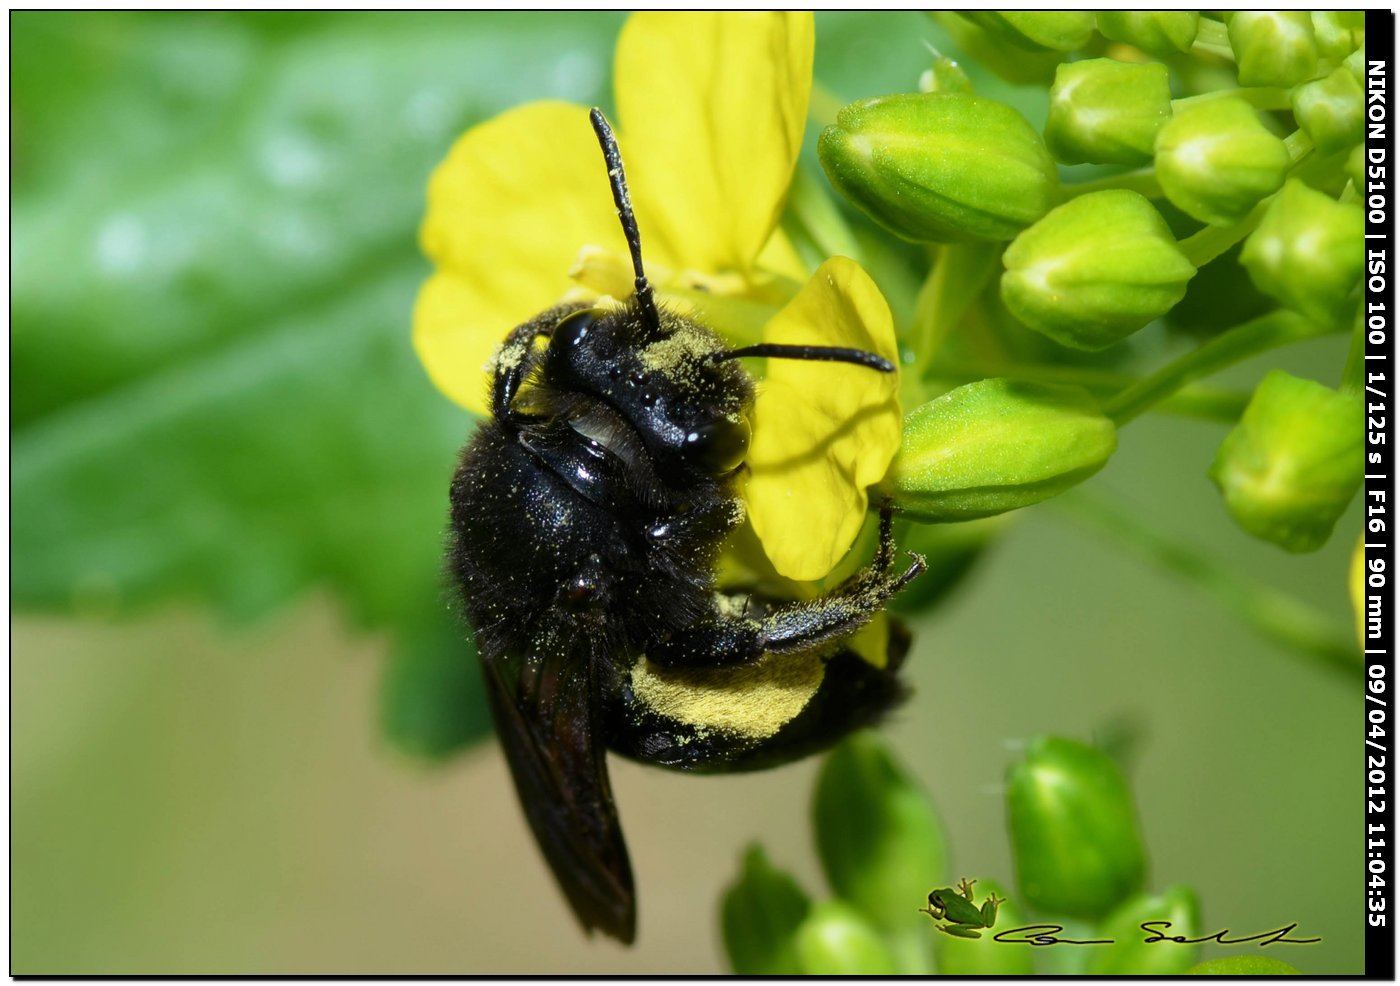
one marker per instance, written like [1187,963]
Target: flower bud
[1338,32]
[1329,110]
[835,940]
[1157,32]
[1095,270]
[1356,64]
[1308,252]
[940,166]
[1273,47]
[985,956]
[1293,463]
[760,915]
[1107,112]
[996,445]
[879,839]
[946,75]
[1175,912]
[1216,160]
[1037,30]
[1018,65]
[1074,834]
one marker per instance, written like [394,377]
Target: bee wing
[547,724]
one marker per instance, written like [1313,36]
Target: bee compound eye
[573,329]
[718,446]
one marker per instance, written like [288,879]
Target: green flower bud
[1329,110]
[997,445]
[1095,270]
[1356,64]
[1130,955]
[945,76]
[878,837]
[1074,835]
[1037,30]
[1014,64]
[836,941]
[984,956]
[1293,463]
[1273,47]
[940,166]
[1216,160]
[760,914]
[1338,32]
[1107,112]
[1157,32]
[1308,252]
[1243,965]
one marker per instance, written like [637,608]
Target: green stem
[1274,614]
[823,105]
[818,215]
[1194,401]
[1260,97]
[1143,181]
[960,271]
[1277,328]
[1204,246]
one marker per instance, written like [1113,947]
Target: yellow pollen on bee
[753,701]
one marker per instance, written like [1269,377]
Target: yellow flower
[710,114]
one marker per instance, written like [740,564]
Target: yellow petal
[713,106]
[823,432]
[508,212]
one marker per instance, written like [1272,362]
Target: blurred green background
[228,479]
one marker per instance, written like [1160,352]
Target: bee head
[688,405]
[672,379]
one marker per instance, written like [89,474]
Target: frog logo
[954,912]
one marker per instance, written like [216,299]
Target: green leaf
[214,266]
[760,914]
[432,702]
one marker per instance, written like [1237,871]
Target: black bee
[587,515]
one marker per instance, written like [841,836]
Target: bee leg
[724,641]
[516,358]
[802,626]
[884,553]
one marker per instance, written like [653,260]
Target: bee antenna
[830,354]
[618,180]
